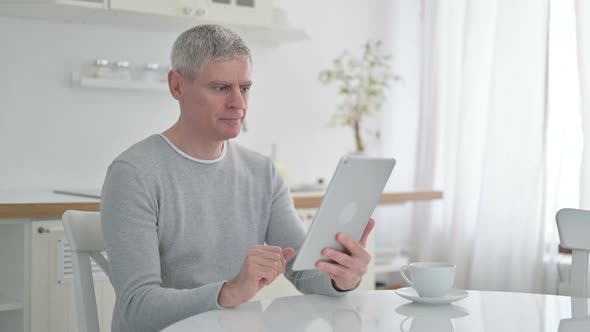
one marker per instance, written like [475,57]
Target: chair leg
[579,273]
[84,292]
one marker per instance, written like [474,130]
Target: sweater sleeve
[285,229]
[130,231]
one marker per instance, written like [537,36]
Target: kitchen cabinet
[33,296]
[252,19]
[36,285]
[235,12]
[14,275]
[53,306]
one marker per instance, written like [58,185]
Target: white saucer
[452,295]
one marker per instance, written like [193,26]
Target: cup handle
[402,272]
[401,325]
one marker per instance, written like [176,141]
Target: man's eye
[220,88]
[245,89]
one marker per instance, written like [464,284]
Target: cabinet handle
[56,229]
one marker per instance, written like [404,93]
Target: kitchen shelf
[101,83]
[8,303]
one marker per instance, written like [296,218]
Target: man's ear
[175,84]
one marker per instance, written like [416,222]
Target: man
[186,214]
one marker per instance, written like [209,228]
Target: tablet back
[351,197]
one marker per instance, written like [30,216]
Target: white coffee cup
[430,279]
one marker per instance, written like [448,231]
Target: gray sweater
[176,228]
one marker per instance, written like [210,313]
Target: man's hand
[262,266]
[348,268]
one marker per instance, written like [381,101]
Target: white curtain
[482,141]
[583,39]
[564,130]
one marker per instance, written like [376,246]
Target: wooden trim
[43,210]
[563,250]
[56,210]
[386,198]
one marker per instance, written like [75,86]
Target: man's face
[215,102]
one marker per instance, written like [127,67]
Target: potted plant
[362,82]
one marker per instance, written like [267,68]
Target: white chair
[573,226]
[85,238]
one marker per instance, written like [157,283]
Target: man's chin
[229,134]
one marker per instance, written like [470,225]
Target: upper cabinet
[255,20]
[239,12]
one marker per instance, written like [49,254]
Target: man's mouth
[231,120]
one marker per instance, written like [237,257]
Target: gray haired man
[191,220]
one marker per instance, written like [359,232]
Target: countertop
[42,204]
[47,204]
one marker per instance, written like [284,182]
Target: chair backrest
[85,238]
[573,226]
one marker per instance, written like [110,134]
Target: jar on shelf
[151,73]
[122,70]
[101,69]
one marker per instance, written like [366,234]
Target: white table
[386,311]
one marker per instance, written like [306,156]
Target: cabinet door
[53,306]
[234,12]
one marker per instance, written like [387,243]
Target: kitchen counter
[42,204]
[47,204]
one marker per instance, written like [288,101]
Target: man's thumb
[288,253]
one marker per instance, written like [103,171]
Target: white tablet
[351,197]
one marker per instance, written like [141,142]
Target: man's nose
[236,99]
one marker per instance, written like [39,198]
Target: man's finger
[368,229]
[349,243]
[267,263]
[330,268]
[270,255]
[354,248]
[341,258]
[268,248]
[288,253]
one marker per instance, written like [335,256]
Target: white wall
[54,135]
